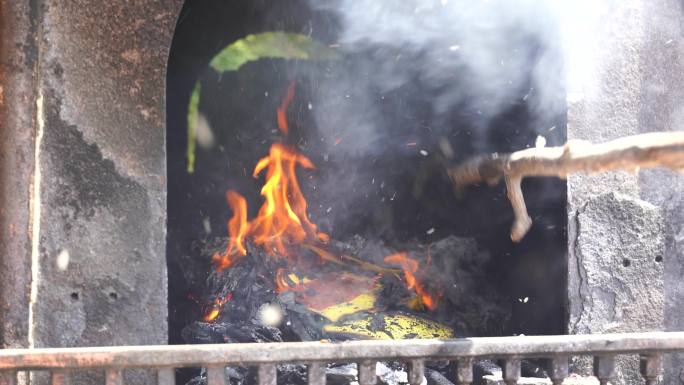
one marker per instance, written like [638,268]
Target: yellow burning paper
[392,326]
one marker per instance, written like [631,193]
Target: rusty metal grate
[113,360]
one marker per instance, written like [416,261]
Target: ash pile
[358,289]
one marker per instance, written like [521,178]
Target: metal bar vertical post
[316,373]
[216,375]
[268,374]
[166,376]
[367,373]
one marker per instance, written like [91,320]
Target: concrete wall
[625,229]
[83,165]
[17,122]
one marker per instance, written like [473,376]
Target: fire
[283,217]
[289,282]
[280,112]
[282,220]
[215,308]
[282,228]
[410,267]
[237,228]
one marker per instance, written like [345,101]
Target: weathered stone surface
[662,109]
[83,88]
[604,83]
[17,116]
[102,269]
[617,271]
[633,82]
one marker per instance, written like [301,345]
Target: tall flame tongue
[282,220]
[282,109]
[237,228]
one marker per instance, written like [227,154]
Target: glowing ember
[215,308]
[328,290]
[410,267]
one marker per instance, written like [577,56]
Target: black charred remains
[458,270]
[468,303]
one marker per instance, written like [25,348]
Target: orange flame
[282,218]
[237,228]
[280,112]
[282,227]
[410,267]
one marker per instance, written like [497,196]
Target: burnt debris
[247,302]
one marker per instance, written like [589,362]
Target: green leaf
[275,45]
[272,45]
[193,116]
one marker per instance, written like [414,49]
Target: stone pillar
[17,118]
[623,227]
[662,109]
[82,155]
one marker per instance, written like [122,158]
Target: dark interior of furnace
[307,155]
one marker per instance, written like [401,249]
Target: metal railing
[215,358]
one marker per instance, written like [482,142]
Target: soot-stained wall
[84,172]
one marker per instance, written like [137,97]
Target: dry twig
[659,149]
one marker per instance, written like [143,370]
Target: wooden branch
[659,149]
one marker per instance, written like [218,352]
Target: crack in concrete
[576,254]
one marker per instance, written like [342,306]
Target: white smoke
[478,53]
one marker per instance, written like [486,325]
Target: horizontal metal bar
[352,351]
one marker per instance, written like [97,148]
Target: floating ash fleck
[423,153]
[204,132]
[206,224]
[63,260]
[271,315]
[446,148]
[430,231]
